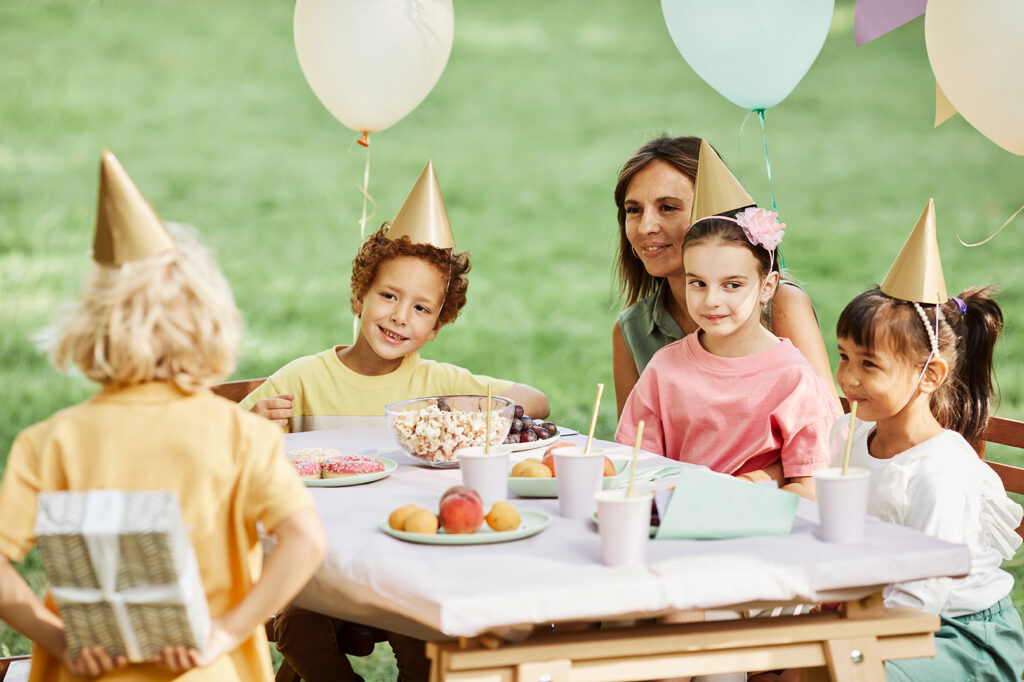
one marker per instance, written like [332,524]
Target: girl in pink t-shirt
[733,396]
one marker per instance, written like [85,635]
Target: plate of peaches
[533,477]
[329,468]
[461,520]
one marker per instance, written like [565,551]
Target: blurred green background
[539,106]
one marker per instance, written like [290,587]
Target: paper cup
[578,477]
[625,526]
[842,503]
[486,474]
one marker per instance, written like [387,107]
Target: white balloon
[977,54]
[753,52]
[371,62]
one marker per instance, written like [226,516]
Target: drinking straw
[487,423]
[849,437]
[593,419]
[636,456]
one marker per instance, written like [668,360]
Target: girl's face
[881,382]
[657,205]
[724,289]
[398,313]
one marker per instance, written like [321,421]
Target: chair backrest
[1006,432]
[236,390]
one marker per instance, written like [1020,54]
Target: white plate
[389,466]
[534,444]
[530,523]
[521,486]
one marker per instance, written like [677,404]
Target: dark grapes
[527,436]
[517,426]
[519,412]
[527,422]
[525,429]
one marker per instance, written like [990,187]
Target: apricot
[536,470]
[503,516]
[461,512]
[398,517]
[517,470]
[421,521]
[609,467]
[549,461]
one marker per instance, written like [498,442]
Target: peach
[421,521]
[536,470]
[461,511]
[398,517]
[457,489]
[503,516]
[609,467]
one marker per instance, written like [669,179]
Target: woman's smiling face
[657,206]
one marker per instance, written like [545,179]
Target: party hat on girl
[916,275]
[423,217]
[716,190]
[127,227]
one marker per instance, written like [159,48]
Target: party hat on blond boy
[423,217]
[127,227]
[716,190]
[916,275]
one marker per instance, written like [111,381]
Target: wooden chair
[14,669]
[236,390]
[1006,432]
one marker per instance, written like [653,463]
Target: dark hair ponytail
[962,403]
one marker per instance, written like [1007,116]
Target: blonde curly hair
[167,318]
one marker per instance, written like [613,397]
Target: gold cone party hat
[423,217]
[916,275]
[716,190]
[127,227]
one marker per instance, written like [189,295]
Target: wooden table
[486,610]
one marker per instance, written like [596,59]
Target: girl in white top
[921,376]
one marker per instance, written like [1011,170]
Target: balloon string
[739,143]
[771,185]
[365,191]
[992,236]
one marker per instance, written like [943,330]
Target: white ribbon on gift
[101,523]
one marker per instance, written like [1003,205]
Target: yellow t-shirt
[226,467]
[328,394]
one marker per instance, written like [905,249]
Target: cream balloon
[977,55]
[371,62]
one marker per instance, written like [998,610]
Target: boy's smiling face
[399,311]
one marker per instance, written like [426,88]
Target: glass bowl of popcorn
[432,429]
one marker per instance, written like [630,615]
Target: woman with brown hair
[654,196]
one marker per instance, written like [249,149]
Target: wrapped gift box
[122,571]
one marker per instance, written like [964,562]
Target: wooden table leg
[854,660]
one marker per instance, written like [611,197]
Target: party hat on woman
[127,227]
[916,275]
[423,217]
[716,190]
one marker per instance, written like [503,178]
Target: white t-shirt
[943,489]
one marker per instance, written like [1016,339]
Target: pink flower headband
[761,226]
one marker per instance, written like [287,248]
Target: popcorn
[434,434]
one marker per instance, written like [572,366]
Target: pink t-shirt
[733,415]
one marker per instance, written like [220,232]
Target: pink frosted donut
[350,465]
[310,454]
[307,468]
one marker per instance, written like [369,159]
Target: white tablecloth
[436,591]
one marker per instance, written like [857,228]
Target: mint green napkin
[710,506]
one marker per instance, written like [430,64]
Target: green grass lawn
[540,104]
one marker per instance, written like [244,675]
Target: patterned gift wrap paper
[122,571]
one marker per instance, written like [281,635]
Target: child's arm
[802,486]
[277,409]
[533,401]
[301,546]
[772,472]
[21,609]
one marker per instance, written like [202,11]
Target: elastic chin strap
[448,281]
[933,337]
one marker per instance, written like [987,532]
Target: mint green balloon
[753,52]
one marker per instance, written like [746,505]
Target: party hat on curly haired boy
[916,275]
[423,217]
[127,227]
[715,189]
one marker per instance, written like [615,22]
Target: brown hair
[966,342]
[682,153]
[717,229]
[378,249]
